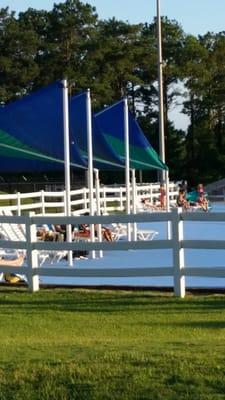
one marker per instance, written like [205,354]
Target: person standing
[162,196]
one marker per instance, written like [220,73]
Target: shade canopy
[110,124]
[104,156]
[32,139]
[31,132]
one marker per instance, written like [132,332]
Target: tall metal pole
[90,152]
[90,164]
[127,162]
[164,174]
[160,87]
[67,163]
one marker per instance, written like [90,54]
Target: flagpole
[160,88]
[67,164]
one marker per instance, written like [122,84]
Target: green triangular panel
[140,158]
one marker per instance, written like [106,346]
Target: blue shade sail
[32,139]
[31,128]
[104,156]
[110,124]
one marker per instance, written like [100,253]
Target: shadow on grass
[202,324]
[106,301]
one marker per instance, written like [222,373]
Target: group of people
[51,233]
[195,198]
[55,233]
[58,232]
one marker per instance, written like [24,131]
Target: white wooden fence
[177,243]
[110,198]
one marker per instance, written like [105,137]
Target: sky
[196,17]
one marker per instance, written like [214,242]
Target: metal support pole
[67,163]
[127,163]
[90,164]
[160,87]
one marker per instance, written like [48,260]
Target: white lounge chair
[145,206]
[119,232]
[146,234]
[16,232]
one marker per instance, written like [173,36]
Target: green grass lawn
[80,344]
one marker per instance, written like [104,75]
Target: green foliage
[81,344]
[205,80]
[17,65]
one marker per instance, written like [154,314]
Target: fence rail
[176,242]
[109,198]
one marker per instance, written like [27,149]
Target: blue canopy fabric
[18,165]
[32,139]
[142,155]
[104,156]
[31,132]
[31,129]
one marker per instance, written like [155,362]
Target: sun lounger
[120,233]
[16,232]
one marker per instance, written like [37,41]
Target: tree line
[115,58]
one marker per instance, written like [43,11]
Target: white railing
[111,198]
[177,244]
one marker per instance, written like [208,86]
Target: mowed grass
[88,344]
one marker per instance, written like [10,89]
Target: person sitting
[84,232]
[107,234]
[202,201]
[200,188]
[17,262]
[61,231]
[48,233]
[148,205]
[181,199]
[183,185]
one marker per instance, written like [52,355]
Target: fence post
[18,204]
[32,255]
[98,207]
[104,200]
[121,199]
[134,203]
[150,194]
[64,202]
[84,198]
[178,253]
[42,202]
